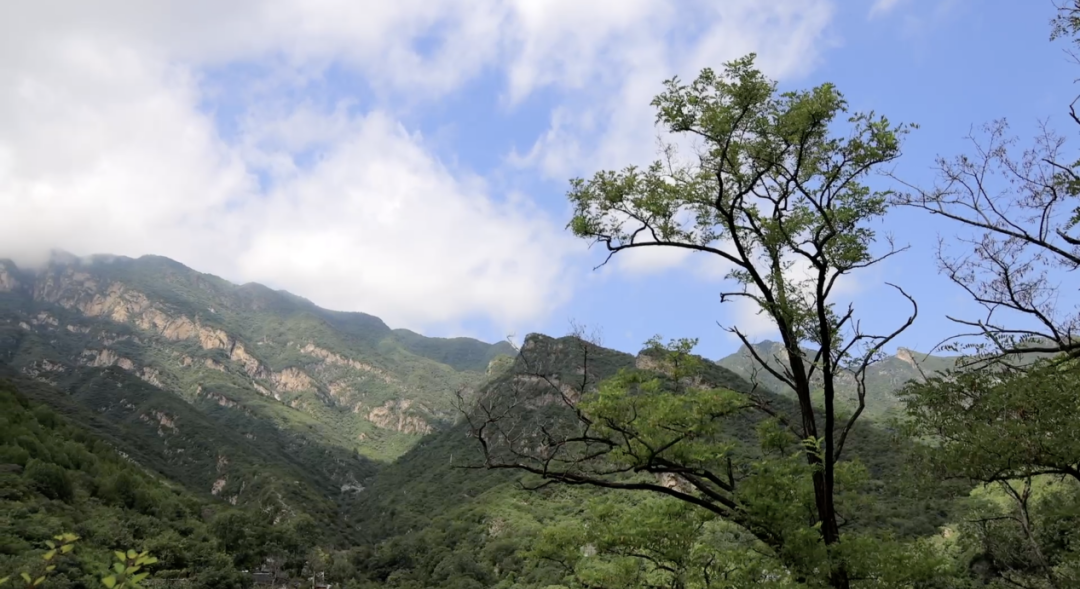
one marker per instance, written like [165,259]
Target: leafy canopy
[769,185]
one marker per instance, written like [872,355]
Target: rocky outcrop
[265,391]
[8,282]
[103,358]
[41,368]
[329,357]
[904,355]
[395,415]
[78,291]
[339,390]
[44,318]
[107,357]
[674,482]
[292,380]
[238,354]
[162,419]
[540,392]
[151,376]
[218,398]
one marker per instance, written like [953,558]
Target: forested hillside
[163,427]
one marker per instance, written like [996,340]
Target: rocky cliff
[278,382]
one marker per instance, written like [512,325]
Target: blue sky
[411,160]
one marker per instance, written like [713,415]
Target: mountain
[433,519]
[237,391]
[57,477]
[286,429]
[883,378]
[438,473]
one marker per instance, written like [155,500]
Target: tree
[1015,432]
[772,193]
[1018,205]
[1007,417]
[50,479]
[994,427]
[1018,434]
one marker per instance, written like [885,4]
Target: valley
[178,417]
[260,402]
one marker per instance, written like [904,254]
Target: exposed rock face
[164,421]
[78,291]
[904,355]
[238,354]
[8,282]
[292,380]
[220,346]
[218,398]
[339,390]
[265,391]
[543,392]
[44,318]
[674,482]
[646,362]
[106,357]
[395,415]
[329,357]
[42,367]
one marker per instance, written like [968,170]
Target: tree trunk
[823,484]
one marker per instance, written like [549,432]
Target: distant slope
[883,378]
[56,476]
[439,476]
[248,394]
[461,353]
[346,378]
[251,465]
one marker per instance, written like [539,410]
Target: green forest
[165,428]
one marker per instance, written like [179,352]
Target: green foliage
[49,479]
[77,481]
[63,545]
[126,569]
[994,426]
[124,573]
[1017,433]
[745,487]
[667,428]
[772,186]
[765,153]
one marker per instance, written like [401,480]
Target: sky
[411,159]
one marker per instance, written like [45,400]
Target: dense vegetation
[238,433]
[55,477]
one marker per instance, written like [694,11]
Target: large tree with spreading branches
[776,190]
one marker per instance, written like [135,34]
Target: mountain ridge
[170,358]
[259,400]
[883,377]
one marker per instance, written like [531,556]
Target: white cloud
[410,239]
[106,144]
[606,121]
[883,7]
[651,260]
